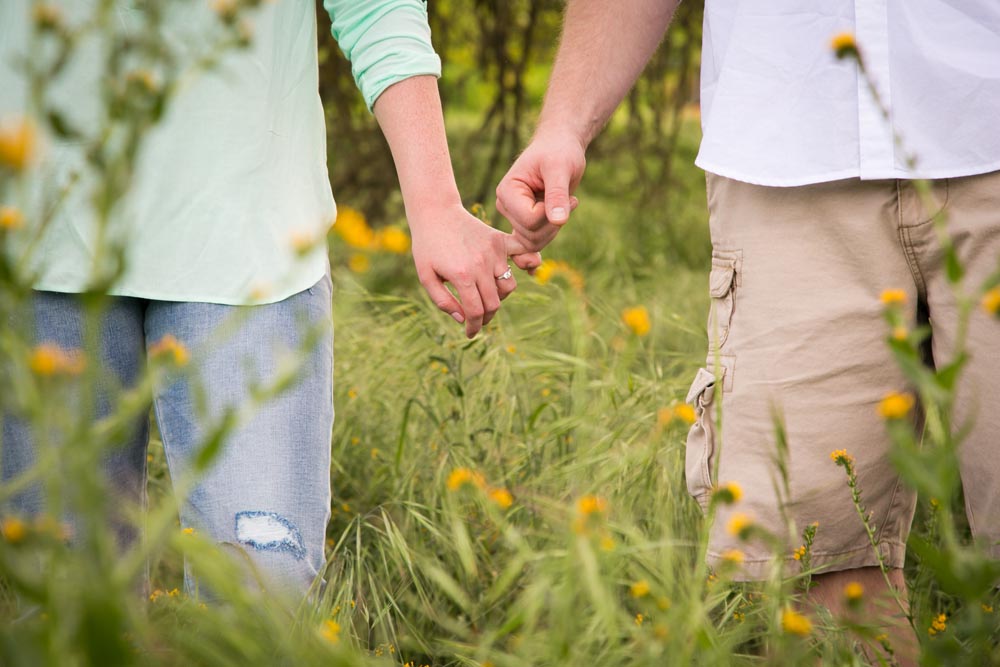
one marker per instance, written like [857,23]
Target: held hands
[452,245]
[536,194]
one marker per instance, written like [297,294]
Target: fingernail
[458,317]
[558,213]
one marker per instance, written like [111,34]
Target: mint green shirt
[238,168]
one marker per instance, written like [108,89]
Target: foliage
[512,500]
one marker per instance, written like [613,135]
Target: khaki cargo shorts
[796,326]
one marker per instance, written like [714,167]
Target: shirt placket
[876,148]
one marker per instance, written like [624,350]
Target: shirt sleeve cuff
[393,69]
[385,40]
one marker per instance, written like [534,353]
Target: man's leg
[60,319]
[973,218]
[267,493]
[798,333]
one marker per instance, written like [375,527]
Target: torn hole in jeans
[269,531]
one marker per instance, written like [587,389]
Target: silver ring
[506,274]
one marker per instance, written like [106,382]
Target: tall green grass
[513,500]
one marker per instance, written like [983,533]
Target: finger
[517,202]
[441,297]
[490,293]
[527,262]
[472,306]
[522,257]
[505,286]
[557,177]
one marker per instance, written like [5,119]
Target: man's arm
[449,244]
[604,47]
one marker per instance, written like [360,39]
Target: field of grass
[510,501]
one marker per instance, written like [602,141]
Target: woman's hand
[451,245]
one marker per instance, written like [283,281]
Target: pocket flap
[720,280]
[702,381]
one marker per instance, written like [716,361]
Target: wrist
[429,213]
[561,130]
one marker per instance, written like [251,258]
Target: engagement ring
[506,274]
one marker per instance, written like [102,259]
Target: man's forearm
[604,47]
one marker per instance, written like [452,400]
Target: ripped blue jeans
[267,491]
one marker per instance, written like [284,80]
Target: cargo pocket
[700,448]
[722,283]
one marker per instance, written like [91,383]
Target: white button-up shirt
[778,108]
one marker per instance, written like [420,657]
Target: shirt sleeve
[385,40]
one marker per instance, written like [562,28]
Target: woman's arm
[395,66]
[449,244]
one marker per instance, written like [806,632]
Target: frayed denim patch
[269,531]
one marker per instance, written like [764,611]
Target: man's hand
[536,194]
[451,245]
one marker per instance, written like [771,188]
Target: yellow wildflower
[174,593]
[685,413]
[303,241]
[47,16]
[639,618]
[853,592]
[10,218]
[988,608]
[155,595]
[939,624]
[734,556]
[359,263]
[260,291]
[143,78]
[502,497]
[841,457]
[664,416]
[511,349]
[991,301]
[353,228]
[170,347]
[18,143]
[13,529]
[799,553]
[551,268]
[590,504]
[352,393]
[607,543]
[728,493]
[49,359]
[795,623]
[47,525]
[330,631]
[639,589]
[895,405]
[393,239]
[900,333]
[546,271]
[739,524]
[637,319]
[188,531]
[893,297]
[462,477]
[226,9]
[844,44]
